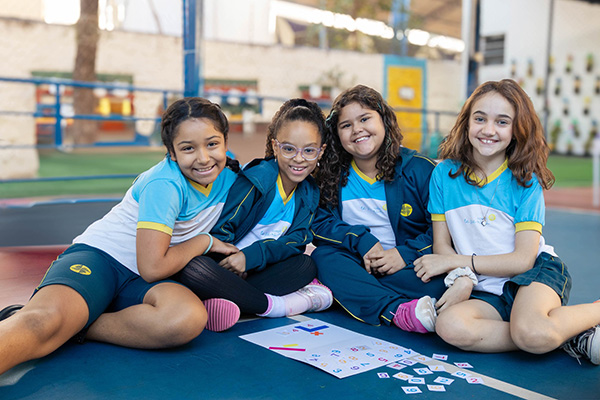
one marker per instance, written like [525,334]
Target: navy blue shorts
[103,282]
[549,270]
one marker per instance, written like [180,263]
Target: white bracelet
[457,273]
[209,244]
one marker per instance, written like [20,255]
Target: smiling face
[490,129]
[199,150]
[300,134]
[361,133]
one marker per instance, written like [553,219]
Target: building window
[493,50]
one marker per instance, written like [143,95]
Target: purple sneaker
[417,315]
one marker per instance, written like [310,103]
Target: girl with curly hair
[267,215]
[373,220]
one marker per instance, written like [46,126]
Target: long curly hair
[335,163]
[528,150]
[295,110]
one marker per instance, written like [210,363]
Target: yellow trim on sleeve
[528,226]
[426,159]
[438,217]
[155,227]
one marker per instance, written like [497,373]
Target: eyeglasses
[290,151]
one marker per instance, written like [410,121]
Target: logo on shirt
[492,217]
[80,269]
[406,210]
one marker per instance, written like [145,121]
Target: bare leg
[47,321]
[540,324]
[474,325]
[171,315]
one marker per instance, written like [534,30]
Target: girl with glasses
[267,215]
[373,221]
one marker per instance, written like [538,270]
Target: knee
[184,325]
[535,337]
[43,325]
[455,330]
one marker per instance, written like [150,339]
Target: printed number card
[335,350]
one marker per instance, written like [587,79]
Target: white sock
[283,306]
[276,307]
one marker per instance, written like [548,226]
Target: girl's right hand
[431,265]
[222,247]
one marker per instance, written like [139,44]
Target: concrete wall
[575,32]
[156,61]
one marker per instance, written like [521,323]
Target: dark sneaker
[10,310]
[585,345]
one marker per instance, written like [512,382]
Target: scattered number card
[437,368]
[436,388]
[417,381]
[443,381]
[423,371]
[441,357]
[383,375]
[461,374]
[402,376]
[335,350]
[463,365]
[475,380]
[411,389]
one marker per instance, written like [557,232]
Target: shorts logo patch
[80,269]
[406,210]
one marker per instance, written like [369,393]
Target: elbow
[150,274]
[523,265]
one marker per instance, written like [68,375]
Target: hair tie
[473,263]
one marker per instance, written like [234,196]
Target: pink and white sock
[282,306]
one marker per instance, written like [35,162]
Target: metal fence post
[58,139]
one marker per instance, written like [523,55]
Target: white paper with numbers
[335,350]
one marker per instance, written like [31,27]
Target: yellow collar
[204,190]
[282,191]
[370,181]
[480,182]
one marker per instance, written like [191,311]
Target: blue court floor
[223,366]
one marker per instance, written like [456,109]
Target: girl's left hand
[386,262]
[222,247]
[431,265]
[235,263]
[460,291]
